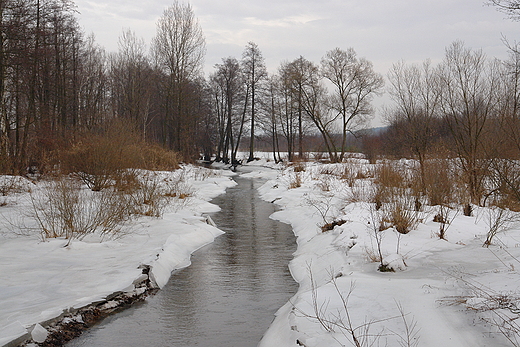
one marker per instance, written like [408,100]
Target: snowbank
[39,280]
[428,300]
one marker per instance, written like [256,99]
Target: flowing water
[230,293]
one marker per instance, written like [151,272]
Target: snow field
[40,279]
[433,294]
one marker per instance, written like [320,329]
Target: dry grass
[149,199]
[439,185]
[401,216]
[389,174]
[371,255]
[296,181]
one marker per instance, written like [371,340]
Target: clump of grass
[402,218]
[299,167]
[296,181]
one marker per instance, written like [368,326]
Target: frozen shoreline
[436,288]
[40,281]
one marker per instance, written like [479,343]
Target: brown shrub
[389,175]
[107,158]
[402,218]
[439,184]
[63,210]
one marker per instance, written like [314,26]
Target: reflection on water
[227,297]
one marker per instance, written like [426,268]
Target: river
[228,295]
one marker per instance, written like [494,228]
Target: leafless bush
[201,173]
[342,322]
[104,159]
[12,184]
[149,198]
[499,220]
[443,218]
[177,186]
[64,209]
[389,183]
[499,309]
[326,183]
[155,157]
[411,336]
[438,185]
[376,220]
[359,193]
[323,204]
[388,174]
[100,161]
[505,177]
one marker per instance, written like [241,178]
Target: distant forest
[59,90]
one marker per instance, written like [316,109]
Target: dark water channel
[227,297]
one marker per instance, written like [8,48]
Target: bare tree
[416,92]
[470,86]
[130,74]
[273,106]
[93,86]
[179,48]
[288,117]
[300,76]
[255,73]
[227,84]
[509,7]
[315,99]
[355,83]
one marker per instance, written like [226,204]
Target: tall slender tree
[255,72]
[417,95]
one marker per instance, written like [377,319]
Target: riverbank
[44,281]
[440,292]
[230,292]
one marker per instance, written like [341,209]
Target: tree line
[57,84]
[465,108]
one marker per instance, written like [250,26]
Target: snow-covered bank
[39,280]
[444,292]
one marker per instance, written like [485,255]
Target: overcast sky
[383,31]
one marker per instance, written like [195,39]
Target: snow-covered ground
[40,279]
[451,292]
